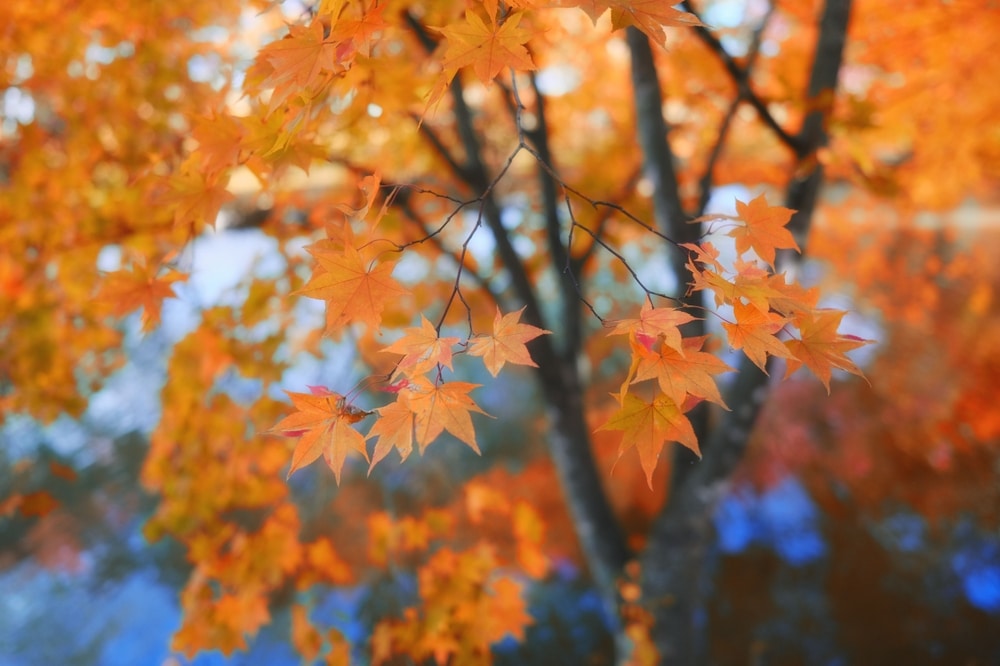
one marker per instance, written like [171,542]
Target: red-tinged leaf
[324,423]
[64,472]
[352,291]
[754,333]
[821,348]
[487,48]
[654,322]
[442,407]
[507,344]
[37,504]
[396,387]
[648,425]
[422,349]
[679,375]
[763,229]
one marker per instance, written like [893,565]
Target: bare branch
[706,183]
[741,78]
[406,207]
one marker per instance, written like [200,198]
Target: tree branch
[705,185]
[741,77]
[402,202]
[674,562]
[569,287]
[597,527]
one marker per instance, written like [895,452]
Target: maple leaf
[196,197]
[704,253]
[394,429]
[124,291]
[323,421]
[507,612]
[361,31]
[793,298]
[821,348]
[507,344]
[440,407]
[487,48]
[422,349]
[679,374]
[219,137]
[763,229]
[754,332]
[352,292]
[592,8]
[303,60]
[654,322]
[649,16]
[647,425]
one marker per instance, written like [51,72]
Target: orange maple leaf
[763,229]
[507,344]
[649,16]
[395,429]
[793,298]
[487,48]
[440,407]
[654,322]
[197,197]
[422,349]
[647,425]
[821,348]
[754,332]
[126,290]
[303,61]
[219,137]
[352,291]
[362,30]
[323,421]
[680,374]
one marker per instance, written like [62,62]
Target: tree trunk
[678,563]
